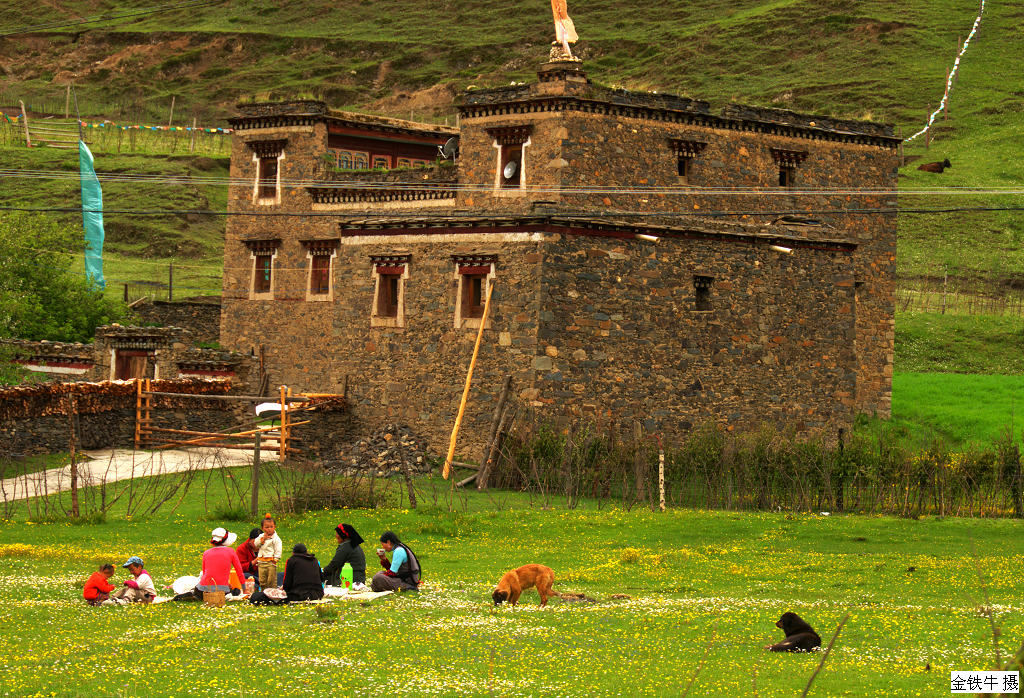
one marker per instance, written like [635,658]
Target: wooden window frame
[262,249]
[511,143]
[263,152]
[788,161]
[468,270]
[686,152]
[316,252]
[390,273]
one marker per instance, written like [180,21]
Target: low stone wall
[38,419]
[200,317]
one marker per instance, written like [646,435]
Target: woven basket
[213,598]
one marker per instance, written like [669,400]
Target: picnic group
[249,570]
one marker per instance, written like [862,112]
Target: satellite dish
[447,151]
[510,169]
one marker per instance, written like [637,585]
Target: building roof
[791,233]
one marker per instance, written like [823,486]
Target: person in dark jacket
[349,550]
[402,572]
[302,576]
[301,580]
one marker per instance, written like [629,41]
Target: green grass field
[705,588]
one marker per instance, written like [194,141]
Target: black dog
[800,637]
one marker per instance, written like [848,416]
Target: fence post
[192,146]
[24,118]
[72,409]
[256,474]
[170,281]
[661,473]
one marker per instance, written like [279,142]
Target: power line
[108,17]
[362,215]
[248,183]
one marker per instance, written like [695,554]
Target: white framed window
[473,274]
[320,256]
[262,276]
[268,157]
[512,164]
[390,273]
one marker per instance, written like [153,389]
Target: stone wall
[200,317]
[625,140]
[622,338]
[37,419]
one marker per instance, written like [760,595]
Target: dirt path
[111,465]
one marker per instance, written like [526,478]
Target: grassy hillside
[138,248]
[874,59]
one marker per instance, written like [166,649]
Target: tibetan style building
[652,259]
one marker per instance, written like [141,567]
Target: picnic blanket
[349,595]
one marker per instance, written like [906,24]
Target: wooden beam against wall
[469,379]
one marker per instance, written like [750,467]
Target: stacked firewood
[42,399]
[383,454]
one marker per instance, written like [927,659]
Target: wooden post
[67,113]
[899,132]
[138,411]
[170,281]
[469,378]
[170,119]
[490,448]
[192,146]
[72,408]
[283,430]
[927,128]
[945,288]
[661,474]
[255,507]
[24,118]
[126,293]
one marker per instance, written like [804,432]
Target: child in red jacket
[97,589]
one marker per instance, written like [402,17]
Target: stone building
[651,259]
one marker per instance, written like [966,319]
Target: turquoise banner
[92,216]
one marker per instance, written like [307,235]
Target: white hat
[221,536]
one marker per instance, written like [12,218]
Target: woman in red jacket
[218,561]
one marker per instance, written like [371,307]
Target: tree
[40,296]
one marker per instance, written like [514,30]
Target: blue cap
[134,560]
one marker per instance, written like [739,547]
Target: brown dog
[513,583]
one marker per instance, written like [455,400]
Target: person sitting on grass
[219,560]
[97,588]
[349,550]
[301,580]
[402,573]
[247,554]
[302,576]
[138,589]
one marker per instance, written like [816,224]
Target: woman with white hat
[218,560]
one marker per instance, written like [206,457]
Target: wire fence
[962,295]
[110,137]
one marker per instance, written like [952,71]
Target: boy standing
[268,547]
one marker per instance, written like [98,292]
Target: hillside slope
[871,59]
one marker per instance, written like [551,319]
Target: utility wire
[248,183]
[702,213]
